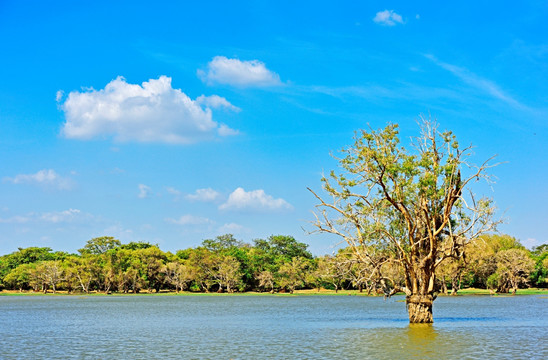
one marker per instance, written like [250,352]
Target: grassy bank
[531,291]
[307,292]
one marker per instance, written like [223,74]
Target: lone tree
[405,207]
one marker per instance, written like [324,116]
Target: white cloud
[226,131]
[216,102]
[151,112]
[253,73]
[144,191]
[388,18]
[60,216]
[203,195]
[46,177]
[232,228]
[240,199]
[190,220]
[59,95]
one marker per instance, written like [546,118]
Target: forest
[280,263]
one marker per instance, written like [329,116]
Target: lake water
[268,327]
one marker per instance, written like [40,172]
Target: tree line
[278,264]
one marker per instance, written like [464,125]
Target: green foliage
[21,277]
[292,274]
[137,245]
[227,264]
[100,245]
[500,263]
[287,247]
[222,242]
[539,276]
[28,255]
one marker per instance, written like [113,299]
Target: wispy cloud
[151,112]
[376,93]
[144,191]
[18,219]
[240,199]
[176,193]
[59,95]
[60,216]
[205,195]
[54,217]
[46,177]
[190,220]
[216,102]
[232,228]
[388,18]
[235,72]
[478,82]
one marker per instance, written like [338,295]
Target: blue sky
[173,122]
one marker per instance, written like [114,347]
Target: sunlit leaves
[407,201]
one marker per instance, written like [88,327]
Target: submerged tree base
[419,308]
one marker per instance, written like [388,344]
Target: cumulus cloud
[151,112]
[388,18]
[46,177]
[240,199]
[189,220]
[144,191]
[203,195]
[216,102]
[253,73]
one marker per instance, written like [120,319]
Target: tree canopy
[497,262]
[410,206]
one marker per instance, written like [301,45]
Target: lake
[268,327]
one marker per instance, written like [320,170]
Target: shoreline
[307,292]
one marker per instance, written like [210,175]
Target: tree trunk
[419,308]
[455,286]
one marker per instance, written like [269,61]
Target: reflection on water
[420,339]
[174,327]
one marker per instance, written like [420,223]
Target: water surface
[260,327]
